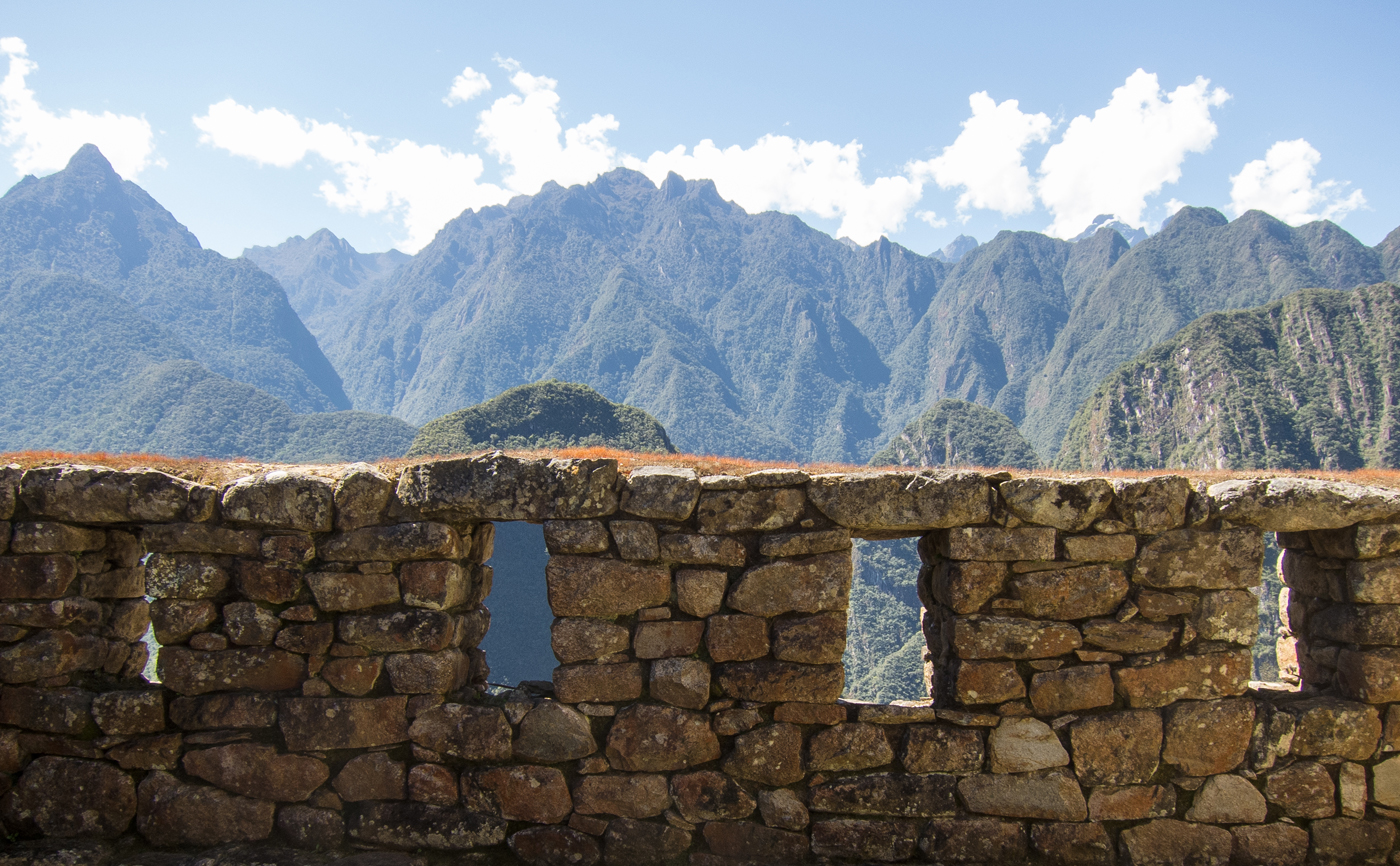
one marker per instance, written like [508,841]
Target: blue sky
[250,123]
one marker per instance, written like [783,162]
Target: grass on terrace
[218,471]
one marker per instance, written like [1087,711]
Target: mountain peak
[89,160]
[1132,234]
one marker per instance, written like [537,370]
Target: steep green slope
[1309,381]
[550,414]
[884,655]
[958,433]
[234,318]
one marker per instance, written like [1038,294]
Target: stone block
[1366,541]
[1069,505]
[1385,782]
[498,487]
[646,738]
[747,841]
[736,637]
[804,543]
[724,512]
[247,624]
[1371,676]
[770,755]
[1051,797]
[280,500]
[257,771]
[1369,624]
[1228,799]
[783,809]
[190,672]
[396,543]
[629,842]
[1071,593]
[598,683]
[1332,727]
[576,639]
[571,537]
[1229,615]
[345,591]
[626,795]
[415,826]
[1132,802]
[894,795]
[635,539]
[129,620]
[1346,841]
[257,581]
[1312,577]
[432,783]
[116,583]
[686,549]
[309,639]
[1165,842]
[51,654]
[865,841]
[60,796]
[974,840]
[700,592]
[1023,745]
[967,586]
[434,585]
[95,494]
[899,501]
[584,586]
[1204,738]
[661,492]
[1294,504]
[1119,748]
[306,827]
[174,619]
[535,794]
[809,585]
[1100,548]
[77,614]
[1192,677]
[173,814]
[360,496]
[353,676]
[851,746]
[49,537]
[994,637]
[36,576]
[681,682]
[1158,606]
[185,575]
[731,722]
[987,682]
[427,673]
[224,711]
[665,639]
[1067,690]
[994,544]
[1072,844]
[399,631]
[771,681]
[1152,505]
[1133,636]
[1228,559]
[1375,581]
[819,639]
[551,733]
[1270,845]
[710,796]
[941,749]
[317,724]
[122,714]
[554,846]
[1302,790]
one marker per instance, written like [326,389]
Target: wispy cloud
[467,86]
[1282,184]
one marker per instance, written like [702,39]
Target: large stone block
[902,501]
[1152,505]
[374,776]
[498,487]
[1374,582]
[983,682]
[415,826]
[95,494]
[746,841]
[49,537]
[427,673]
[710,796]
[61,797]
[54,711]
[316,724]
[1347,841]
[1024,745]
[551,733]
[437,585]
[1270,845]
[173,814]
[307,827]
[1369,624]
[247,624]
[402,541]
[681,682]
[1133,636]
[1294,504]
[688,549]
[941,749]
[1132,802]
[771,681]
[185,575]
[894,795]
[535,794]
[280,500]
[360,496]
[51,654]
[1228,799]
[808,585]
[770,755]
[575,684]
[994,544]
[1371,676]
[260,582]
[115,583]
[1001,637]
[1202,677]
[1204,738]
[257,771]
[1073,844]
[629,842]
[1069,505]
[804,543]
[191,672]
[1071,593]
[626,795]
[967,586]
[554,846]
[865,841]
[1228,559]
[336,592]
[563,537]
[399,631]
[1100,548]
[1366,541]
[1166,842]
[851,746]
[78,614]
[1051,797]
[635,539]
[585,586]
[667,638]
[724,512]
[700,592]
[174,620]
[1303,790]
[974,840]
[736,637]
[36,576]
[224,711]
[646,738]
[468,732]
[124,713]
[576,639]
[815,640]
[661,492]
[1332,727]
[1067,690]
[1230,615]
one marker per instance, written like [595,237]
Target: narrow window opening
[1271,628]
[517,645]
[885,645]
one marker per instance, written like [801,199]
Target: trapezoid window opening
[518,639]
[885,644]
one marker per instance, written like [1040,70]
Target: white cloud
[44,141]
[1282,185]
[1127,151]
[467,86]
[986,158]
[931,218]
[786,174]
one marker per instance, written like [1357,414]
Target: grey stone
[700,593]
[1348,841]
[498,487]
[1133,636]
[994,544]
[402,541]
[315,724]
[723,512]
[1100,548]
[899,501]
[96,494]
[551,733]
[360,497]
[1228,800]
[804,543]
[1071,593]
[681,682]
[1069,505]
[1370,624]
[577,639]
[1023,745]
[564,537]
[1230,615]
[49,537]
[1293,504]
[280,500]
[807,585]
[1228,559]
[185,575]
[585,586]
[1051,797]
[991,637]
[635,539]
[661,492]
[782,808]
[851,746]
[1152,505]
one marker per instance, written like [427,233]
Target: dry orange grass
[217,471]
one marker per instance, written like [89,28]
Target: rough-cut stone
[173,814]
[680,682]
[984,682]
[652,739]
[1270,845]
[940,749]
[1229,615]
[1307,575]
[1228,799]
[498,487]
[1052,797]
[1069,689]
[353,676]
[1376,581]
[1371,624]
[749,842]
[121,714]
[808,585]
[36,576]
[635,539]
[865,841]
[782,808]
[399,631]
[374,776]
[854,746]
[687,549]
[310,639]
[967,586]
[95,494]
[700,593]
[736,637]
[723,512]
[1192,677]
[1204,738]
[246,624]
[974,840]
[1069,505]
[994,544]
[804,543]
[1100,548]
[55,711]
[897,501]
[819,639]
[993,637]
[535,794]
[174,619]
[576,639]
[314,724]
[1366,541]
[1071,593]
[1347,841]
[117,583]
[661,492]
[664,639]
[343,591]
[1228,559]
[414,826]
[402,541]
[280,500]
[731,722]
[585,586]
[185,575]
[434,585]
[432,783]
[1293,504]
[709,796]
[1132,803]
[564,537]
[1133,636]
[1302,790]
[1072,844]
[190,672]
[51,654]
[626,795]
[1385,782]
[888,795]
[260,582]
[1166,842]
[629,842]
[770,681]
[257,771]
[770,755]
[427,673]
[551,733]
[575,684]
[554,846]
[224,711]
[71,797]
[1116,748]
[46,537]
[1328,726]
[1023,745]
[468,732]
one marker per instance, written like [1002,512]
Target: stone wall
[321,687]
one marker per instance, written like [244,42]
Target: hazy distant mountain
[1308,381]
[321,273]
[958,433]
[954,251]
[1107,220]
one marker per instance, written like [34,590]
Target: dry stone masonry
[321,687]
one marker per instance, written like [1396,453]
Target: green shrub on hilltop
[550,414]
[958,433]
